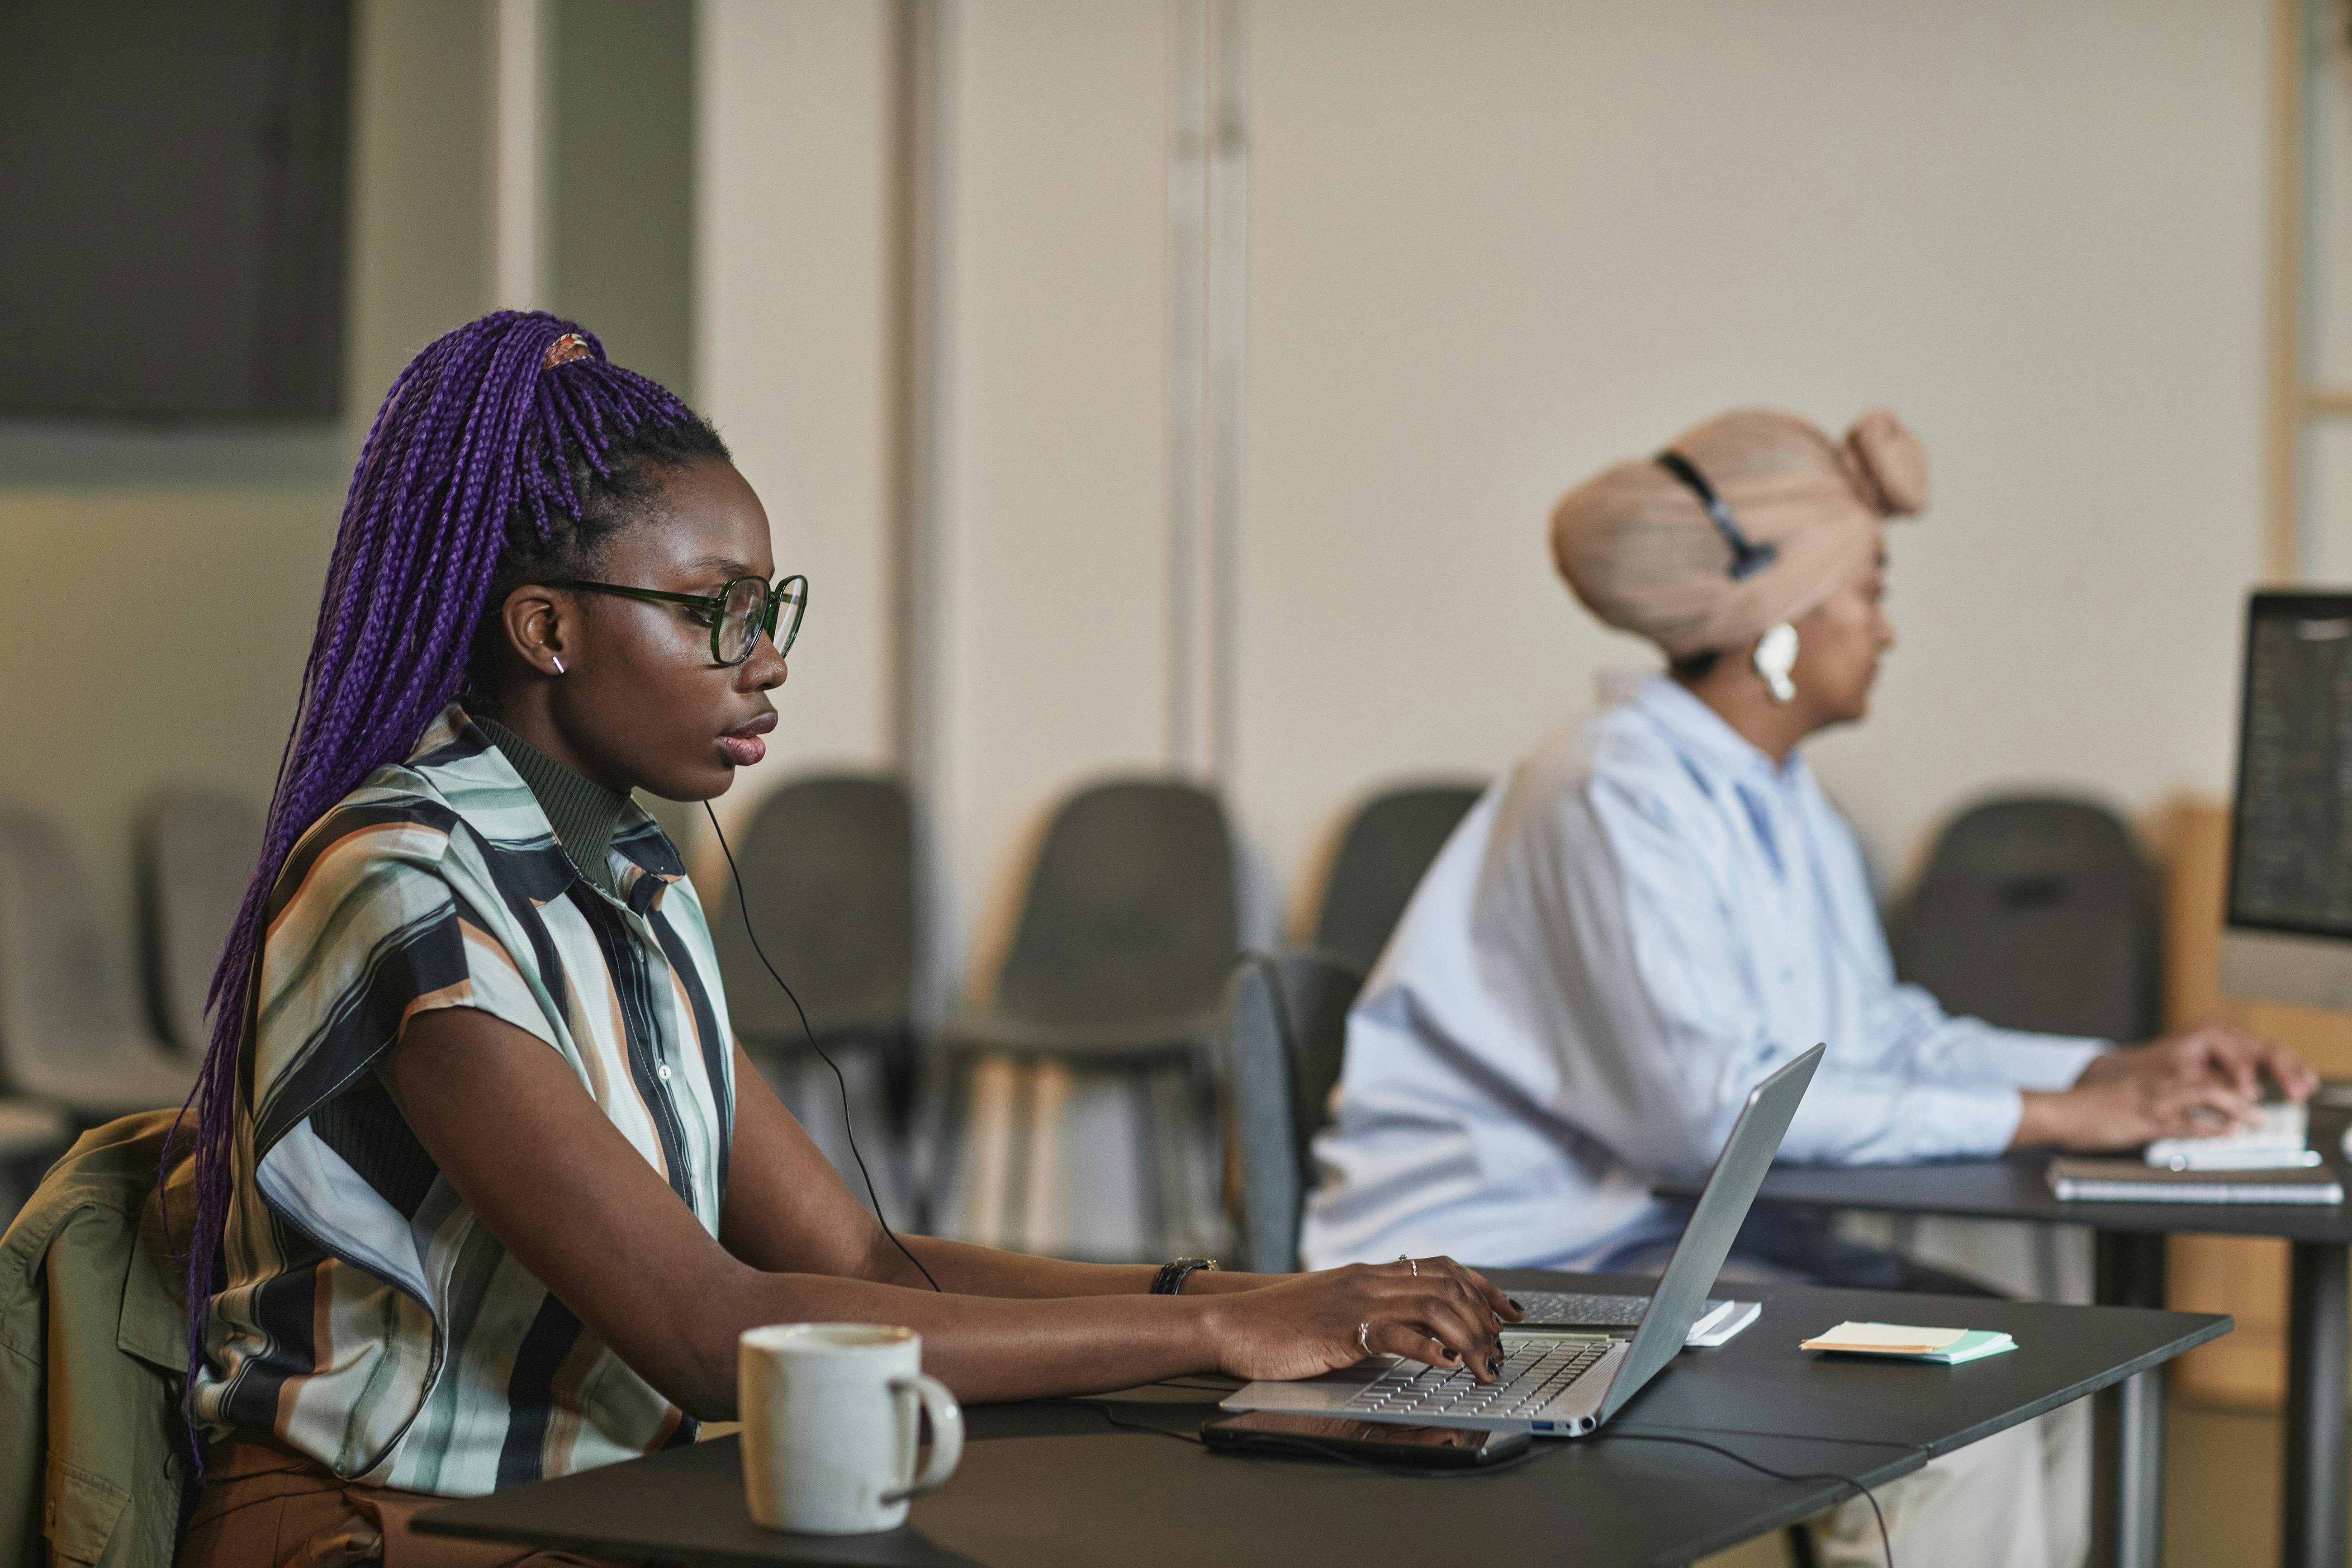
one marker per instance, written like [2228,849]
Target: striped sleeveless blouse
[370,1320]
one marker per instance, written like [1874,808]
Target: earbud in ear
[559,662]
[1776,656]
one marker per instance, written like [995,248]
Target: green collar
[583,812]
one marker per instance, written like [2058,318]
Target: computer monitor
[2287,935]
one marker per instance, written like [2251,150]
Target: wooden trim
[2281,554]
[2327,402]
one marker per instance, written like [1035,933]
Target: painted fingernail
[1515,1302]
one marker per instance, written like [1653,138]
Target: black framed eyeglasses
[737,613]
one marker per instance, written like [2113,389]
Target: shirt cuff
[1846,1121]
[2046,1062]
[1973,1124]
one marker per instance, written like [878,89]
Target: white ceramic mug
[830,1413]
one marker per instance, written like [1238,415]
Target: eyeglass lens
[739,622]
[746,613]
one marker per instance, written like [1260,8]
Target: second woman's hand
[1430,1309]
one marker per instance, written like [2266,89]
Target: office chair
[2036,913]
[1116,966]
[1285,1034]
[197,850]
[828,864]
[70,1026]
[1385,852]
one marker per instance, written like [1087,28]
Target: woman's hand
[1429,1309]
[2202,1082]
[2124,1111]
[2219,1052]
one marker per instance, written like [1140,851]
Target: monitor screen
[172,206]
[2291,832]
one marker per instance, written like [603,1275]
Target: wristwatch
[1173,1273]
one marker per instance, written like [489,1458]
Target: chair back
[69,1017]
[1130,914]
[1284,1037]
[196,850]
[2035,913]
[1382,856]
[828,865]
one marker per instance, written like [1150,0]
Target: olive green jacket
[93,1340]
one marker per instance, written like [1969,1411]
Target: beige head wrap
[1639,551]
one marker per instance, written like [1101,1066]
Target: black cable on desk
[1886,1541]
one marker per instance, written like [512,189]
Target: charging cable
[743,907]
[1886,1541]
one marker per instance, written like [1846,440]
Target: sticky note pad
[1885,1339]
[1947,1347]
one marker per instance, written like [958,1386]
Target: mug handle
[947,1434]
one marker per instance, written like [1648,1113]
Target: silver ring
[1364,1337]
[1406,1260]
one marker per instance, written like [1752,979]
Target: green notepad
[1974,1345]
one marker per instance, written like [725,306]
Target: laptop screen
[1715,1223]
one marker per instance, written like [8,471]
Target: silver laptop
[1561,1383]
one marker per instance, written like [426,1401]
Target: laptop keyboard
[1538,1370]
[1574,1309]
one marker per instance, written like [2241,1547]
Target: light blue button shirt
[1633,926]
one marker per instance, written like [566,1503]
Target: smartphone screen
[1382,1442]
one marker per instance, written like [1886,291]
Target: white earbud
[559,665]
[1776,656]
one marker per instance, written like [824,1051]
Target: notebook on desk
[2133,1181]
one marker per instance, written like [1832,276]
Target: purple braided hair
[488,442]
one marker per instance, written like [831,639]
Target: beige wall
[1053,510]
[1496,245]
[1493,246]
[793,275]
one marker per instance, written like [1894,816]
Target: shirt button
[662,1072]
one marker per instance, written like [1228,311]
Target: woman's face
[1839,644]
[640,703]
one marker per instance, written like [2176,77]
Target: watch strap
[1175,1271]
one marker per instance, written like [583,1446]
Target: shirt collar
[1710,746]
[500,806]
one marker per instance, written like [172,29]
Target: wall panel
[1498,245]
[793,338]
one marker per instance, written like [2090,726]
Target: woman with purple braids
[486,1189]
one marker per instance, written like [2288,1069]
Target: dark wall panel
[172,206]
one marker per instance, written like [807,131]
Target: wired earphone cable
[743,907]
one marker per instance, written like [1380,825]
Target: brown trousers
[263,1507]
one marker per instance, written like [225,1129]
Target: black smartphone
[1379,1442]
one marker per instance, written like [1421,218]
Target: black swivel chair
[828,866]
[1117,965]
[1285,1035]
[2037,913]
[1387,848]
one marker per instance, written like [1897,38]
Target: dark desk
[2131,1273]
[1047,1484]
